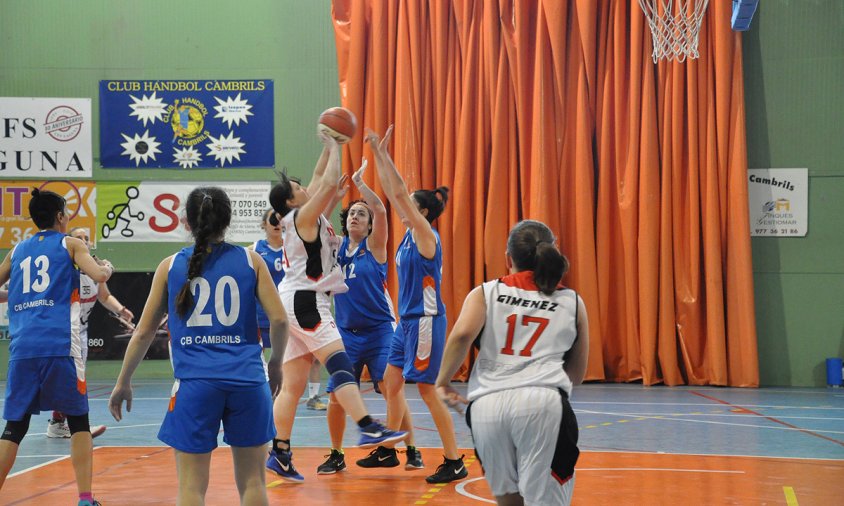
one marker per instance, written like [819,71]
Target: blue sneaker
[88,503]
[376,434]
[281,463]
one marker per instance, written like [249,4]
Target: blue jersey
[419,279]
[218,337]
[43,299]
[275,262]
[367,303]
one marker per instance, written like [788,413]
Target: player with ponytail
[535,333]
[209,291]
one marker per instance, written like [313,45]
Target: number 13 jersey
[525,337]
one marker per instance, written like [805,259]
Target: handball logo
[187,119]
[63,123]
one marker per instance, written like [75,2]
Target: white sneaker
[97,430]
[58,429]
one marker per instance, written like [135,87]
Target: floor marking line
[806,431]
[461,489]
[790,496]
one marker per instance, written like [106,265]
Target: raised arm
[342,190]
[469,324]
[319,171]
[397,194]
[98,271]
[141,340]
[308,215]
[578,356]
[378,237]
[268,297]
[110,302]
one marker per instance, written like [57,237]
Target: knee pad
[78,423]
[341,370]
[16,430]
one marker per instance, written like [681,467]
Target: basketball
[338,122]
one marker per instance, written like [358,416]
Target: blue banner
[186,124]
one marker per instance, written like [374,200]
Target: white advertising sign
[45,138]
[779,202]
[146,211]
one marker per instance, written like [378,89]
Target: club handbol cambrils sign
[186,124]
[45,138]
[144,211]
[778,201]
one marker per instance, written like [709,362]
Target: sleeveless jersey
[88,294]
[275,263]
[218,337]
[311,266]
[419,279]
[525,337]
[367,303]
[43,299]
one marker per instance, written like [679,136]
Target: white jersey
[88,291]
[525,338]
[311,266]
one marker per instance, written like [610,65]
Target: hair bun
[35,192]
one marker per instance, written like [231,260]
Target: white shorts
[311,323]
[515,433]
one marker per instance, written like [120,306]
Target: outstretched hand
[328,141]
[376,143]
[342,186]
[357,177]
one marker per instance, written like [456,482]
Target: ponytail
[209,214]
[550,267]
[432,200]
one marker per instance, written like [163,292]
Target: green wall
[794,77]
[794,94]
[64,48]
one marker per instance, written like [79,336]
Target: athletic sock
[313,390]
[86,496]
[58,416]
[277,444]
[363,422]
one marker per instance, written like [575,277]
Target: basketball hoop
[675,26]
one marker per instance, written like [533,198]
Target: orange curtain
[553,110]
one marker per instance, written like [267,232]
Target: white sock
[313,389]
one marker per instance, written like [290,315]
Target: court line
[790,496]
[771,406]
[461,489]
[806,431]
[675,418]
[28,469]
[729,415]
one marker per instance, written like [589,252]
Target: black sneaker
[414,459]
[449,471]
[336,462]
[380,457]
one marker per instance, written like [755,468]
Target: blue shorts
[197,407]
[43,384]
[418,348]
[264,334]
[367,347]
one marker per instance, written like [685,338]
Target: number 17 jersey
[525,337]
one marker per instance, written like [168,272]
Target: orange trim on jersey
[172,404]
[428,282]
[74,296]
[524,281]
[81,386]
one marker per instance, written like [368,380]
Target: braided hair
[209,212]
[531,246]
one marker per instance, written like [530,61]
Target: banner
[186,124]
[15,224]
[778,200]
[152,211]
[45,138]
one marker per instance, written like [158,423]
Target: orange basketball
[338,122]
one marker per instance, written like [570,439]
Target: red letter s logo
[168,211]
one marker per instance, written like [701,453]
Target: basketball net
[675,26]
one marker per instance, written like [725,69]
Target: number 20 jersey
[217,338]
[525,337]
